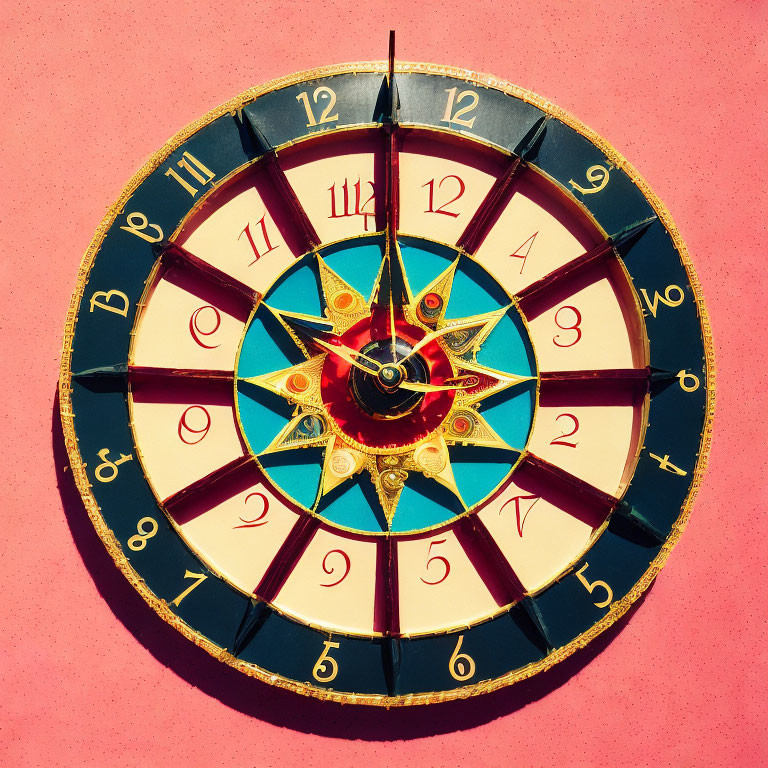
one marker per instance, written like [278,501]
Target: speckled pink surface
[88,675]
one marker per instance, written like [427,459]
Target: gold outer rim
[160,606]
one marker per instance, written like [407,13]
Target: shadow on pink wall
[274,705]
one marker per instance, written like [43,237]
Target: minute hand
[472,323]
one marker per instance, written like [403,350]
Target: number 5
[326,667]
[594,585]
[437,559]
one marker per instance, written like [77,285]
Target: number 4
[594,585]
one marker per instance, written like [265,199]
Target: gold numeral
[139,541]
[653,304]
[199,172]
[199,578]
[461,666]
[665,463]
[457,117]
[597,176]
[96,301]
[591,587]
[692,387]
[323,92]
[326,667]
[107,471]
[137,223]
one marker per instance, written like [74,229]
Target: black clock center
[380,394]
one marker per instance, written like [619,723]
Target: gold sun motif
[318,337]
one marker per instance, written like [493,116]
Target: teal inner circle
[424,503]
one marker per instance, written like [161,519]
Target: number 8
[139,541]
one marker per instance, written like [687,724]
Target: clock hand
[471,323]
[416,386]
[350,356]
[392,289]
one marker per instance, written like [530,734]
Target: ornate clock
[387,384]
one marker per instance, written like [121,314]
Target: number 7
[199,579]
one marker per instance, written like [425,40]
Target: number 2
[559,439]
[255,522]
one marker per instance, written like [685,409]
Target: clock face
[387,386]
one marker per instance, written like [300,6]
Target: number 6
[594,585]
[461,666]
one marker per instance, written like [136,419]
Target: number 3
[594,585]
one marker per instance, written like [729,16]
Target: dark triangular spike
[106,371]
[306,329]
[661,380]
[108,378]
[391,655]
[528,148]
[253,140]
[392,281]
[253,620]
[158,249]
[630,524]
[625,238]
[532,612]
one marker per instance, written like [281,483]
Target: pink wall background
[88,675]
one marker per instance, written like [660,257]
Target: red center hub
[391,433]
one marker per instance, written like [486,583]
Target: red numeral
[441,209]
[520,517]
[437,559]
[193,430]
[247,232]
[197,331]
[522,251]
[359,206]
[259,519]
[330,571]
[559,439]
[573,327]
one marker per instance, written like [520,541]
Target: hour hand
[356,359]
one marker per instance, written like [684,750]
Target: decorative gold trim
[617,609]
